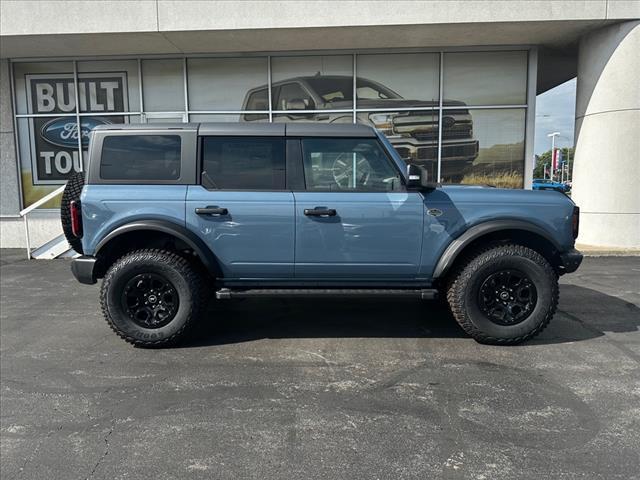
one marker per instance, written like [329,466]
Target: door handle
[320,212]
[212,210]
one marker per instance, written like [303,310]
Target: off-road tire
[186,280]
[70,194]
[466,280]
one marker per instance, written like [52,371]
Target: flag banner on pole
[556,159]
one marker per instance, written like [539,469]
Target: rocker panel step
[422,294]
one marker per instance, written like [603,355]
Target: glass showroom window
[478,110]
[228,84]
[112,87]
[312,83]
[486,78]
[399,95]
[163,89]
[492,154]
[53,131]
[482,146]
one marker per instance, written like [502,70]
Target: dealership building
[452,84]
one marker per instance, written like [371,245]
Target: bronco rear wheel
[151,298]
[503,295]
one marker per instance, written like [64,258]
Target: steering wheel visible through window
[351,170]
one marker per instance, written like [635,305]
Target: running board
[422,294]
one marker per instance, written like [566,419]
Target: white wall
[86,16]
[606,173]
[43,226]
[82,27]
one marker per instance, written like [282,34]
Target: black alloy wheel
[150,300]
[507,297]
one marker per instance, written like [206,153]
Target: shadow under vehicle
[413,133]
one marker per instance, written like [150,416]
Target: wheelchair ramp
[58,247]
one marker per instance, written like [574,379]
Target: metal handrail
[43,200]
[26,211]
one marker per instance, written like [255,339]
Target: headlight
[383,122]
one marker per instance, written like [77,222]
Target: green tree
[545,158]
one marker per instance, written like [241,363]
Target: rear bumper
[83,268]
[571,260]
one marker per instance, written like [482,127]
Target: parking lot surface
[319,389]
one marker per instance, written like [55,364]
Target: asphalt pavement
[356,389]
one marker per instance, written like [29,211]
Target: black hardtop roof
[253,129]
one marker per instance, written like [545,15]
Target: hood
[489,194]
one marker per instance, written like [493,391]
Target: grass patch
[499,179]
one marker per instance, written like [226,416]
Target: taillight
[76,218]
[575,221]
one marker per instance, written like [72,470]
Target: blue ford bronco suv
[171,216]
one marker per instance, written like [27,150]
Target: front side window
[344,164]
[140,157]
[243,163]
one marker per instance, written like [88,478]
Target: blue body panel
[463,207]
[377,237]
[106,207]
[374,235]
[255,240]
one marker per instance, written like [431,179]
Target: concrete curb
[601,251]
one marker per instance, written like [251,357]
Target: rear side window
[140,157]
[243,163]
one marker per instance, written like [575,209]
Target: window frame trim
[187,152]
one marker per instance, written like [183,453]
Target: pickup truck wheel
[151,297]
[504,295]
[71,193]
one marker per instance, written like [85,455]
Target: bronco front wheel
[504,295]
[150,298]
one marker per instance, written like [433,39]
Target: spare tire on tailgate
[71,194]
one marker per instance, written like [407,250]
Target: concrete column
[606,178]
[9,189]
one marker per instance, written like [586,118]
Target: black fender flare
[197,244]
[457,246]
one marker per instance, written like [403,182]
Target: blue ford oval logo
[63,131]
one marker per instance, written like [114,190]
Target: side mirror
[418,178]
[298,104]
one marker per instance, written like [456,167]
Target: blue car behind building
[546,184]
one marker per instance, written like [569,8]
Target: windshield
[338,89]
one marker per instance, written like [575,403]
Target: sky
[555,112]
